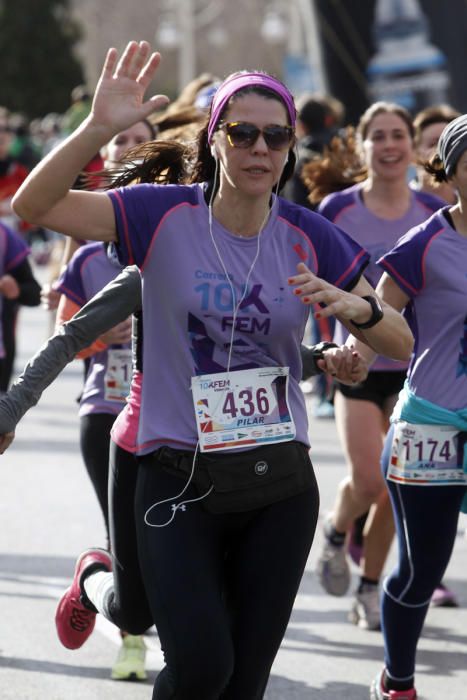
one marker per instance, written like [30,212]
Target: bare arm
[46,198]
[393,296]
[390,337]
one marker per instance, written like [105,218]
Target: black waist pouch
[242,481]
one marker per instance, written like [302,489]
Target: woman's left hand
[345,364]
[314,290]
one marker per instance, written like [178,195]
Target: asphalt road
[48,515]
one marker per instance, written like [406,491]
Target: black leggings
[8,319]
[94,442]
[220,588]
[127,606]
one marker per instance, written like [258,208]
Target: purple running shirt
[88,271]
[429,264]
[187,299]
[13,250]
[347,210]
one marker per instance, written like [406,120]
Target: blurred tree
[39,68]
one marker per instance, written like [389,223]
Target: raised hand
[119,97]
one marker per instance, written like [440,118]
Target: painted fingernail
[317,315]
[297,291]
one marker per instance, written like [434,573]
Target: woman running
[424,459]
[375,211]
[226,500]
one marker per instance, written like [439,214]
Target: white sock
[98,587]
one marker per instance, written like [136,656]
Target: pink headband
[244,80]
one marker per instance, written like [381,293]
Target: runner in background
[318,121]
[429,124]
[375,211]
[424,459]
[14,251]
[108,372]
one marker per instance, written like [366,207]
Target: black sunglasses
[244,135]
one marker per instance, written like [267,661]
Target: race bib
[244,408]
[427,455]
[118,375]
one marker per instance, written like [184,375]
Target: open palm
[119,98]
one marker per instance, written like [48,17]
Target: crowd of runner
[264,201]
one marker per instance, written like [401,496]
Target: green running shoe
[129,665]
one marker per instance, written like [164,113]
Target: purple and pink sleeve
[405,262]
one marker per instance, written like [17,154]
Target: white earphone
[213,151]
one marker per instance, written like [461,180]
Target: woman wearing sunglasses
[226,500]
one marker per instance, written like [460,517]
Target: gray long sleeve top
[112,305]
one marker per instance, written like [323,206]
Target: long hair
[158,162]
[340,166]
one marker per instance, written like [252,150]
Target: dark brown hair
[437,114]
[436,169]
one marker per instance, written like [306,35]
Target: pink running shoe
[378,691]
[443,597]
[74,620]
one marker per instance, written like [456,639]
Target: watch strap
[377,313]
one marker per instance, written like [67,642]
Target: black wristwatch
[310,356]
[377,313]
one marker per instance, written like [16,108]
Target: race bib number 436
[243,408]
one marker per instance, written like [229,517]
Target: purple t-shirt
[377,236]
[88,271]
[13,250]
[187,304]
[429,265]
